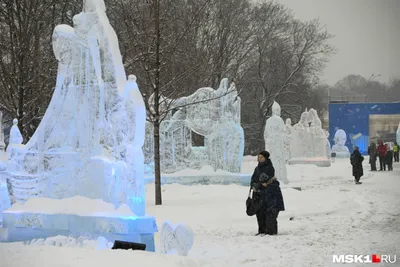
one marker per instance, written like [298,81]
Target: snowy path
[331,214]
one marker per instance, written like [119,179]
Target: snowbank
[77,205]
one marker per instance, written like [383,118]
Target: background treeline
[176,47]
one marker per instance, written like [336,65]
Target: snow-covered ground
[331,215]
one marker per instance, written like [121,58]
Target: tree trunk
[261,141]
[157,168]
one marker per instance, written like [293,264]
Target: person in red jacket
[382,150]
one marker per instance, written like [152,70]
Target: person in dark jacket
[389,158]
[271,203]
[264,166]
[356,161]
[373,155]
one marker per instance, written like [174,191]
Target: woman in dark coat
[264,166]
[356,161]
[272,203]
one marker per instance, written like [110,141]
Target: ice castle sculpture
[90,140]
[275,137]
[202,129]
[309,143]
[340,148]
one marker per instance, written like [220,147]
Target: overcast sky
[367,35]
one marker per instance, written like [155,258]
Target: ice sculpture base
[320,162]
[342,155]
[239,179]
[25,226]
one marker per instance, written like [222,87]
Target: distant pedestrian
[356,161]
[396,152]
[389,157]
[373,154]
[382,149]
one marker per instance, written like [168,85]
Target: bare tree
[27,65]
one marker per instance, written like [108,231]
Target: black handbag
[252,206]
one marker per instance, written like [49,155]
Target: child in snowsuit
[271,203]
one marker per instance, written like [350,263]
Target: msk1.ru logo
[374,258]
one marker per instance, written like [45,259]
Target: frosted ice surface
[90,140]
[309,140]
[15,134]
[2,144]
[340,147]
[202,129]
[275,136]
[398,134]
[176,239]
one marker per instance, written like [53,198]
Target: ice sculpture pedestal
[320,162]
[25,226]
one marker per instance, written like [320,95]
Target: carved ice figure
[319,140]
[90,139]
[301,138]
[15,134]
[203,129]
[275,137]
[340,147]
[176,239]
[289,138]
[328,145]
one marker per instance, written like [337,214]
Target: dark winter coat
[356,161]
[389,157]
[263,167]
[271,198]
[373,153]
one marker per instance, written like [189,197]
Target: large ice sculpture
[90,139]
[398,134]
[202,129]
[309,142]
[340,148]
[275,138]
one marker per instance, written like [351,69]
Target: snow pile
[77,205]
[67,241]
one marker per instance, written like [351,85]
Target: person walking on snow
[382,149]
[373,154]
[396,152]
[266,167]
[271,203]
[356,161]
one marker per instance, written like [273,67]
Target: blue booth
[355,118]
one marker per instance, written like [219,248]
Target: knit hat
[265,154]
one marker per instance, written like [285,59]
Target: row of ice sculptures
[91,139]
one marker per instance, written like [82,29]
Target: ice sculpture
[289,137]
[15,135]
[301,138]
[309,142]
[202,129]
[176,239]
[398,134]
[90,139]
[340,148]
[328,145]
[275,138]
